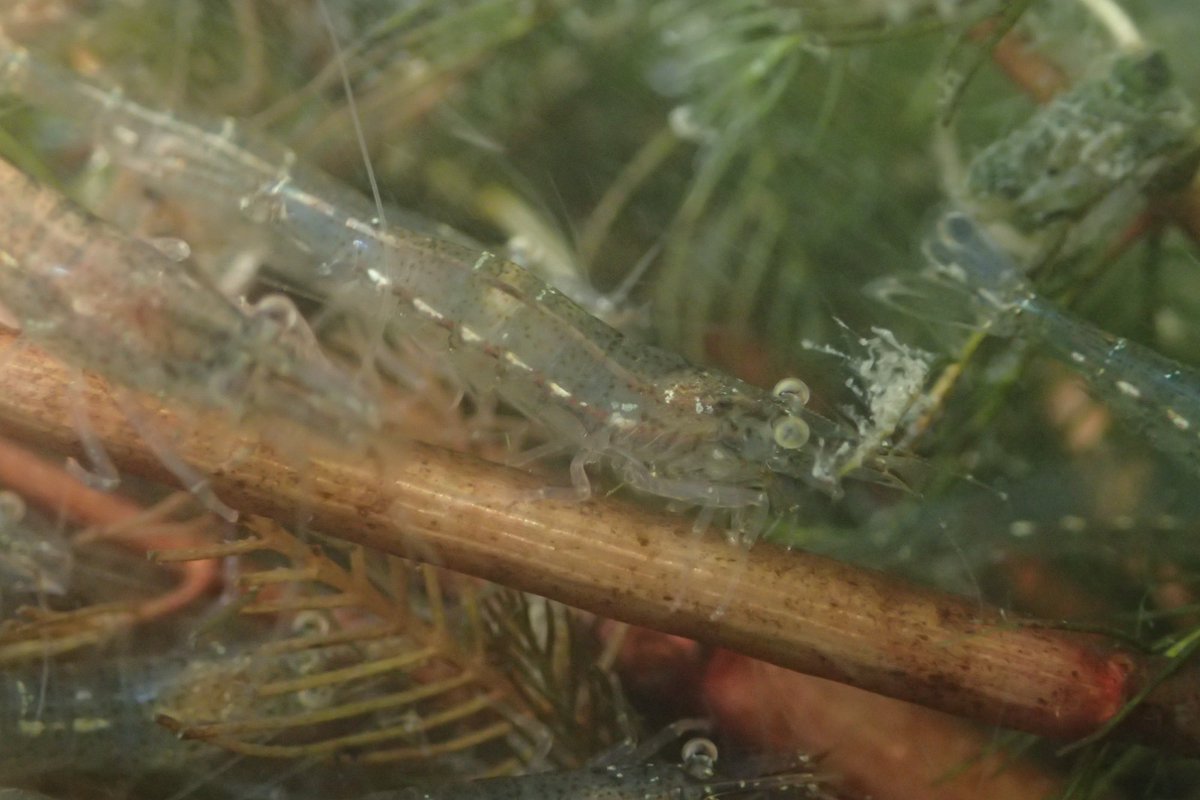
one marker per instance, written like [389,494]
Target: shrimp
[1132,124]
[112,303]
[1081,158]
[1159,396]
[692,779]
[88,712]
[86,716]
[109,716]
[34,557]
[666,428]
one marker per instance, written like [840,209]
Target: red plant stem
[52,488]
[799,611]
[879,747]
[1033,73]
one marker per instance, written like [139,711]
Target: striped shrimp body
[1161,397]
[118,305]
[666,427]
[692,779]
[92,716]
[108,714]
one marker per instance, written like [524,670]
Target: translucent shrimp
[1085,156]
[692,779]
[118,305]
[1159,396]
[87,716]
[106,715]
[34,556]
[666,427]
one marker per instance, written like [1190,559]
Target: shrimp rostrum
[666,428]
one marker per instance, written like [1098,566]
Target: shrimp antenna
[353,107]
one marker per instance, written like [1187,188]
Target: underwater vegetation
[511,398]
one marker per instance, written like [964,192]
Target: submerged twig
[800,611]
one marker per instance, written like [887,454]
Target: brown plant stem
[799,611]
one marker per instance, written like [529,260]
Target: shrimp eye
[793,392]
[699,755]
[790,433]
